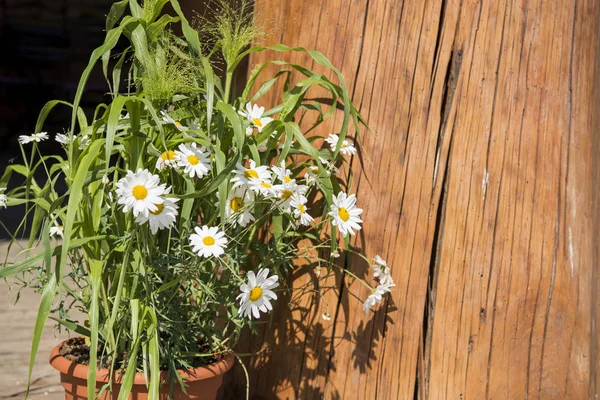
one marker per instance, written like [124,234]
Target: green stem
[245,373]
[227,87]
[346,271]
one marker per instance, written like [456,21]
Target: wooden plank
[478,191]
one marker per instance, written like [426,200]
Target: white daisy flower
[84,142]
[317,271]
[239,204]
[208,242]
[169,120]
[64,138]
[57,230]
[329,165]
[381,271]
[282,173]
[376,296]
[312,173]
[196,161]
[255,115]
[345,214]
[36,137]
[105,181]
[257,293]
[264,187]
[298,204]
[140,191]
[326,316]
[335,254]
[286,191]
[3,198]
[164,216]
[346,149]
[167,159]
[243,175]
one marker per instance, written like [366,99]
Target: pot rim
[80,371]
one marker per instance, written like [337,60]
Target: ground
[16,330]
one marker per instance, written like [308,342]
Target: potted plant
[183,208]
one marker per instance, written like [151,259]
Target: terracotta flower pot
[202,383]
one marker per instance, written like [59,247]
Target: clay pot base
[202,383]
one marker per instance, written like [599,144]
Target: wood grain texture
[479,188]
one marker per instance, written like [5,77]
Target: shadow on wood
[480,190]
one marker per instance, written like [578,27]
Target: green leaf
[115,13]
[156,10]
[81,330]
[210,91]
[235,121]
[74,198]
[156,28]
[129,376]
[32,261]
[190,33]
[40,321]
[154,354]
[116,73]
[114,116]
[112,37]
[96,272]
[140,44]
[53,103]
[136,10]
[214,183]
[278,227]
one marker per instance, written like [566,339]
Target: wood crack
[449,86]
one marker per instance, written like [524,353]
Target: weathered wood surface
[480,191]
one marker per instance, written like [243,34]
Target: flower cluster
[152,202]
[382,273]
[177,211]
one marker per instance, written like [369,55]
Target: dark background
[44,47]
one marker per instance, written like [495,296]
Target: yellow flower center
[236,204]
[159,209]
[344,143]
[256,293]
[266,185]
[178,124]
[208,241]
[343,214]
[168,155]
[193,160]
[139,192]
[250,173]
[286,194]
[287,179]
[257,122]
[301,208]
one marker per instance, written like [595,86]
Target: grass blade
[40,321]
[96,270]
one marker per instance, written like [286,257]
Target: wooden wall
[479,188]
